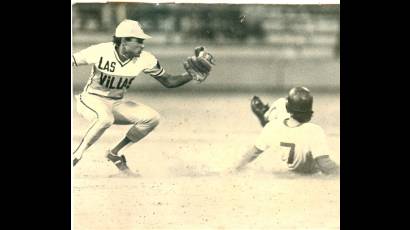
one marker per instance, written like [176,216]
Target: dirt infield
[184,164]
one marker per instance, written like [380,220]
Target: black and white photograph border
[211,115]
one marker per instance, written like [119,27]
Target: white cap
[130,28]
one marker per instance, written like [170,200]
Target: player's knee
[154,119]
[148,119]
[106,122]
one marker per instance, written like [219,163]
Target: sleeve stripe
[150,71]
[159,74]
[153,71]
[75,63]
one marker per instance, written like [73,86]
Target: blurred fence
[257,46]
[299,28]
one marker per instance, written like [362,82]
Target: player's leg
[103,119]
[305,164]
[143,118]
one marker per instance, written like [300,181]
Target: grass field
[184,164]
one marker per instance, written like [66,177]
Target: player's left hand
[258,107]
[200,65]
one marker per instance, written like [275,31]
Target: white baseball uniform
[277,110]
[102,97]
[298,145]
[110,77]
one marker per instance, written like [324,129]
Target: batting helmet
[130,28]
[300,103]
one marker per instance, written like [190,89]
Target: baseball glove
[259,109]
[200,65]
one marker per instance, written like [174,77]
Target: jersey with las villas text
[110,77]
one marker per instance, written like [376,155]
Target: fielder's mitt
[200,65]
[259,109]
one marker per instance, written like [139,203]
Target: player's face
[132,47]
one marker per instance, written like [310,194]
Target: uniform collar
[285,121]
[117,56]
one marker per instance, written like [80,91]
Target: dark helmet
[300,103]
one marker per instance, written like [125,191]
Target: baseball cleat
[121,163]
[75,161]
[118,161]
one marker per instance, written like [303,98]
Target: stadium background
[258,47]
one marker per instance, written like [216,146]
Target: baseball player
[287,130]
[114,67]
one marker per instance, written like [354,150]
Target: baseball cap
[130,28]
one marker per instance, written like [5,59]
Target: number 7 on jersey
[291,157]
